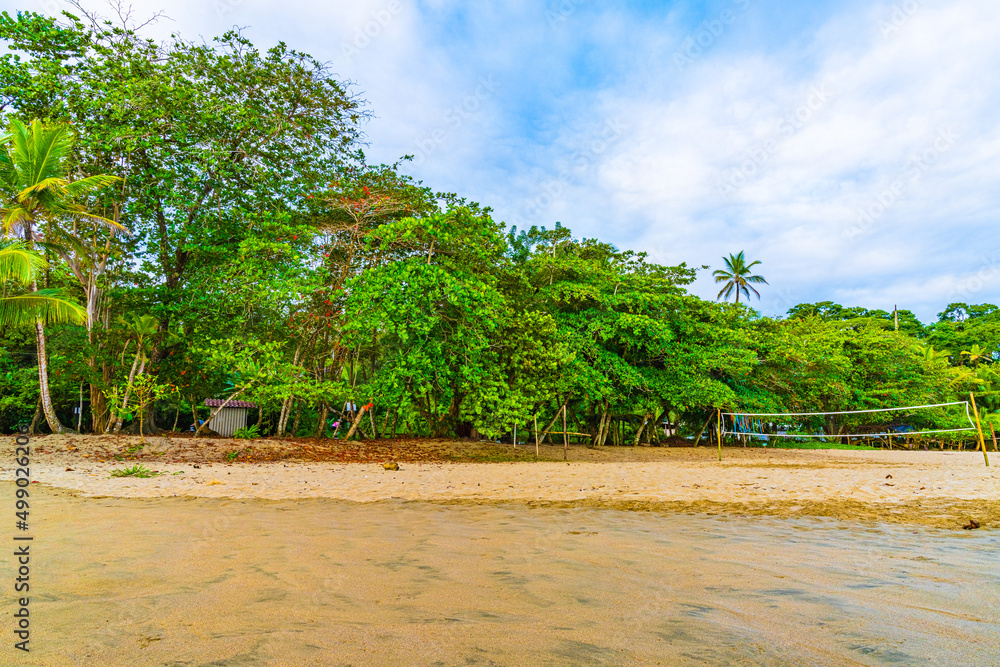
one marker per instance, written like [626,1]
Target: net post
[979,428]
[718,424]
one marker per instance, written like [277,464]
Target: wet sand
[222,581]
[621,557]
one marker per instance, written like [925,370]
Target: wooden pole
[536,435]
[979,427]
[566,437]
[718,425]
[994,434]
[515,436]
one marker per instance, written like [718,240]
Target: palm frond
[13,217]
[90,184]
[52,184]
[50,304]
[19,263]
[722,276]
[50,147]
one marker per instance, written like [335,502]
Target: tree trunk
[596,439]
[357,421]
[642,427]
[120,417]
[36,418]
[98,405]
[79,414]
[43,378]
[703,427]
[321,421]
[148,420]
[286,409]
[298,416]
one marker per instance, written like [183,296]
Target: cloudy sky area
[850,146]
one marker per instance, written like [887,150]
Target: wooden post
[718,425]
[979,427]
[536,435]
[566,437]
[515,436]
[994,434]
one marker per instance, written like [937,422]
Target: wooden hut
[232,417]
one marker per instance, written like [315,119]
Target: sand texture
[941,489]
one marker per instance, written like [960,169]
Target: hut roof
[216,402]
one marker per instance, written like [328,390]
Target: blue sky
[851,146]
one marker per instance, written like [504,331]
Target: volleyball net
[908,421]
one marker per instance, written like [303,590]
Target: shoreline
[935,489]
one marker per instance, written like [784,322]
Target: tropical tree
[737,277]
[38,193]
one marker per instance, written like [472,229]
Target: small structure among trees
[227,420]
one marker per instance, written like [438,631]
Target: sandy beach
[620,556]
[933,488]
[220,581]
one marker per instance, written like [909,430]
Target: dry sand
[941,489]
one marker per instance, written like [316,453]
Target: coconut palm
[977,354]
[18,264]
[37,193]
[738,277]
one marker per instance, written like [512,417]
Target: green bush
[247,433]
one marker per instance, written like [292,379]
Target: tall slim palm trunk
[43,379]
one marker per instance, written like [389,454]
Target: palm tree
[977,354]
[18,264]
[738,277]
[930,355]
[37,192]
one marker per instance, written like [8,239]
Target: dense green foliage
[250,252]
